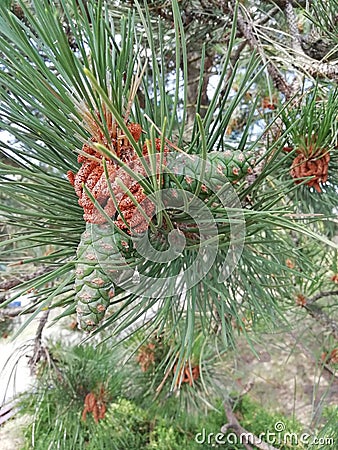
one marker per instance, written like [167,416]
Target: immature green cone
[93,286]
[220,167]
[234,164]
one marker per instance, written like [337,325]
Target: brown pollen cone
[91,173]
[95,404]
[334,278]
[136,216]
[314,165]
[146,356]
[92,177]
[187,374]
[334,356]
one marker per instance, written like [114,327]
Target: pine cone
[93,286]
[221,168]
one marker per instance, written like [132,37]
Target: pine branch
[246,28]
[244,435]
[241,46]
[269,16]
[194,67]
[10,313]
[301,60]
[234,58]
[320,295]
[40,350]
[318,314]
[14,282]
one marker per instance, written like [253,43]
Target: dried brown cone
[101,411]
[135,216]
[91,175]
[157,147]
[138,217]
[89,405]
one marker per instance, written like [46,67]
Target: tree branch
[301,346]
[9,313]
[245,436]
[234,58]
[321,294]
[247,31]
[317,313]
[39,349]
[16,281]
[301,60]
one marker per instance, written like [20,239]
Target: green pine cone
[221,168]
[93,286]
[233,164]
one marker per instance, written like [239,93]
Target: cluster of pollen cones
[187,374]
[314,164]
[94,404]
[92,177]
[146,356]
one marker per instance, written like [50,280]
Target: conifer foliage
[144,217]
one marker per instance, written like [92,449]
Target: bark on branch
[40,350]
[300,60]
[17,281]
[320,295]
[245,27]
[246,438]
[318,314]
[10,313]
